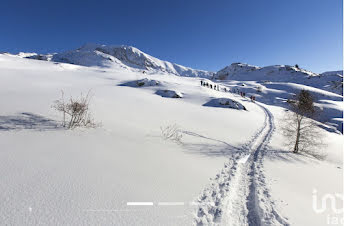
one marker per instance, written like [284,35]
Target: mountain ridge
[120,56]
[131,58]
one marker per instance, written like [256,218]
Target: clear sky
[203,34]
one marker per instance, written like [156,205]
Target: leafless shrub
[307,138]
[172,132]
[75,111]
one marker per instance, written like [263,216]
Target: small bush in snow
[172,132]
[75,111]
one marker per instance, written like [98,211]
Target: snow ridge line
[220,185]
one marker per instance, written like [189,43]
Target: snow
[275,93]
[142,82]
[225,103]
[169,93]
[126,57]
[234,69]
[231,167]
[294,178]
[65,177]
[330,81]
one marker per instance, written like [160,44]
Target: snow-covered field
[231,168]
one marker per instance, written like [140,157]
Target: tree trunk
[296,146]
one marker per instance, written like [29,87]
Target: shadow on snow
[26,120]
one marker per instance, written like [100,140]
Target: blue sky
[201,34]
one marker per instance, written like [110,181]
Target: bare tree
[300,129]
[172,132]
[75,111]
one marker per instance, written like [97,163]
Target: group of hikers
[216,87]
[211,86]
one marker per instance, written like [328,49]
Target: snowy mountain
[239,71]
[126,57]
[329,81]
[230,71]
[232,166]
[334,81]
[132,59]
[333,73]
[272,85]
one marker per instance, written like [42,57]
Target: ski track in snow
[238,195]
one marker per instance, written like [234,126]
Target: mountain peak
[123,56]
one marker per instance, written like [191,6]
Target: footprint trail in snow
[238,195]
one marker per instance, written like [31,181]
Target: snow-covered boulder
[142,83]
[169,93]
[225,103]
[147,82]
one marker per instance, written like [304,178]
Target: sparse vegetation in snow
[75,111]
[172,132]
[301,131]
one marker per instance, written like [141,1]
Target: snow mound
[142,83]
[126,57]
[225,103]
[169,93]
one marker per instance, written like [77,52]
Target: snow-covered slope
[231,167]
[333,80]
[330,81]
[273,85]
[238,71]
[333,73]
[116,57]
[230,71]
